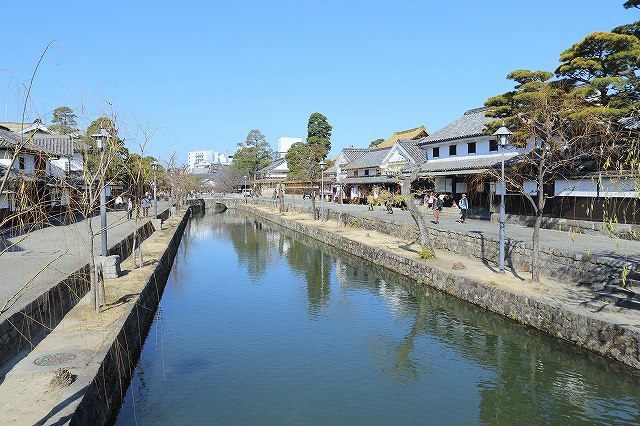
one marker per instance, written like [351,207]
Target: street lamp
[244,191]
[154,166]
[503,138]
[322,164]
[102,138]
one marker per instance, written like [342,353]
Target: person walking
[146,204]
[463,205]
[129,208]
[118,202]
[438,204]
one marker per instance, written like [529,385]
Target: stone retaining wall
[567,266]
[119,357]
[31,323]
[622,230]
[614,341]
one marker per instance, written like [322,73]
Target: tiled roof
[272,166]
[353,154]
[373,158]
[410,134]
[472,123]
[7,139]
[631,123]
[59,145]
[467,162]
[24,127]
[367,179]
[418,155]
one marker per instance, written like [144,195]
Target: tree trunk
[535,258]
[539,210]
[313,205]
[416,214]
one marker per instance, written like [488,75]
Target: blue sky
[201,74]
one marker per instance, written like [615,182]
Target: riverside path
[43,257]
[565,241]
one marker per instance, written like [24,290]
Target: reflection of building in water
[353,278]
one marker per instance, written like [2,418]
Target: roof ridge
[475,110]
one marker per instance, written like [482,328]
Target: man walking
[146,204]
[463,205]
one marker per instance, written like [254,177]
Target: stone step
[618,300]
[632,283]
[622,291]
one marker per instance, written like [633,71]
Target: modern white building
[284,143]
[206,158]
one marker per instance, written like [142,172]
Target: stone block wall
[119,357]
[29,324]
[613,341]
[574,267]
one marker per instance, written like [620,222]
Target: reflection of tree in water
[533,378]
[253,245]
[315,266]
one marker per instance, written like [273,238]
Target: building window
[493,145]
[436,152]
[21,164]
[452,150]
[366,172]
[471,147]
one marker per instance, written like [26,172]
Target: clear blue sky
[201,74]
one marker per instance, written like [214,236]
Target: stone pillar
[110,266]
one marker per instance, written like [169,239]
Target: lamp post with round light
[102,138]
[322,164]
[154,166]
[503,139]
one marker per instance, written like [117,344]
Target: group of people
[121,203]
[436,202]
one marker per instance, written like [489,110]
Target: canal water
[261,326]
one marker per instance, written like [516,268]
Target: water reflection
[374,347]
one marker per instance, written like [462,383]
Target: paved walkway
[597,245]
[568,242]
[42,258]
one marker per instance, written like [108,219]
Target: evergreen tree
[64,121]
[254,154]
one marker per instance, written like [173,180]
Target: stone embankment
[30,323]
[95,352]
[551,308]
[581,268]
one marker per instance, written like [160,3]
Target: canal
[261,326]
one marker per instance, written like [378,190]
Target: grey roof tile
[373,158]
[467,162]
[418,155]
[472,123]
[59,145]
[272,165]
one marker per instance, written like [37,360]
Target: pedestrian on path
[129,208]
[118,202]
[370,201]
[463,205]
[438,204]
[146,205]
